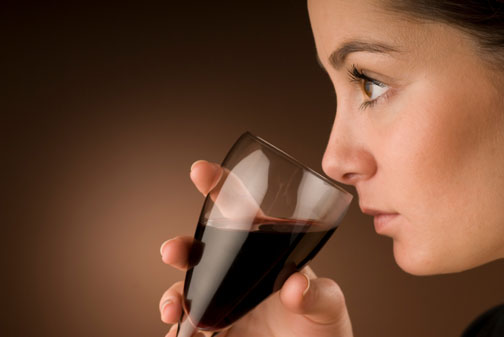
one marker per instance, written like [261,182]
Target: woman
[419,131]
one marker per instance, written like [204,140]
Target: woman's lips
[382,221]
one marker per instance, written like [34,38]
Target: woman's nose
[347,158]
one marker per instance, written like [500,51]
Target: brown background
[105,109]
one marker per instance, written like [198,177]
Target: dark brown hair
[481,19]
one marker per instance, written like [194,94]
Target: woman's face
[419,131]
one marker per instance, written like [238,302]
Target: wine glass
[266,217]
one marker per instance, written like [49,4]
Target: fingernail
[162,246]
[309,272]
[165,305]
[195,163]
[307,283]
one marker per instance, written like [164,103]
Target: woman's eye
[370,87]
[373,89]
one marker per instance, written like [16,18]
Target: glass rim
[295,161]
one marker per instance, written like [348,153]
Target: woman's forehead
[336,23]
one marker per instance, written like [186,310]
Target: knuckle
[175,288]
[178,284]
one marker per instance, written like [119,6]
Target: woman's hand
[306,306]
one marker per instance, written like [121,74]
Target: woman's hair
[481,19]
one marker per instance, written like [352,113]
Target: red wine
[234,270]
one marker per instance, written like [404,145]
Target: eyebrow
[337,57]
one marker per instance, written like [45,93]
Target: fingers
[233,198]
[170,305]
[318,299]
[173,333]
[175,252]
[295,288]
[205,175]
[293,291]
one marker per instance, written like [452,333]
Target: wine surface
[234,270]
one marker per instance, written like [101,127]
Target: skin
[430,149]
[305,306]
[426,160]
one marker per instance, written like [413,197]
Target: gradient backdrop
[106,106]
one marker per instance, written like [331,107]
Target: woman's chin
[424,261]
[418,262]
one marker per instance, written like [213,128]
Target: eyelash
[358,77]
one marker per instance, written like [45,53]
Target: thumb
[320,300]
